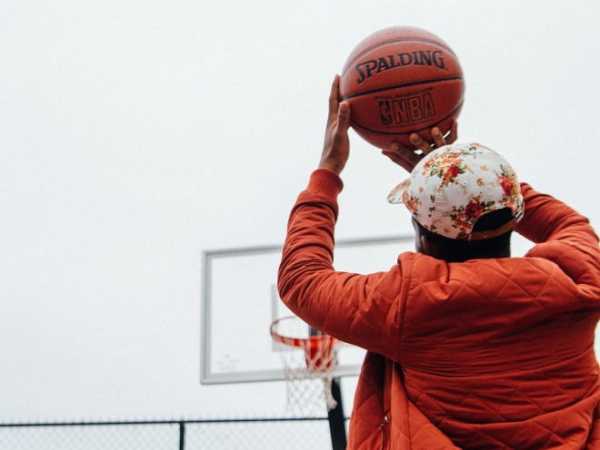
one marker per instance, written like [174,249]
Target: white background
[136,134]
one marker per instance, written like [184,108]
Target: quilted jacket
[485,354]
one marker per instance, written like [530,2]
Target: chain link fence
[266,433]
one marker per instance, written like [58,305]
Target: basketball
[401,80]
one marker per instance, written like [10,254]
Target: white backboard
[240,301]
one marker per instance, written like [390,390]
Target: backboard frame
[207,375]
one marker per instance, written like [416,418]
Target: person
[467,347]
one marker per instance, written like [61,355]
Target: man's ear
[419,244]
[416,227]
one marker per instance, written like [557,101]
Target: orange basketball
[401,80]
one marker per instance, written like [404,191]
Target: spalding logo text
[371,67]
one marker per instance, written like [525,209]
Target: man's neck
[458,255]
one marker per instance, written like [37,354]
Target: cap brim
[400,192]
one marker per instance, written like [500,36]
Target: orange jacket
[485,354]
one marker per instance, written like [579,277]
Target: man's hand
[336,148]
[409,157]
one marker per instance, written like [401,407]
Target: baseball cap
[455,185]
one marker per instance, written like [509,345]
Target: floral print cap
[454,185]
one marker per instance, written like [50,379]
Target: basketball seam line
[354,124]
[381,44]
[396,86]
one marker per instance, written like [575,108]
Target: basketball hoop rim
[298,342]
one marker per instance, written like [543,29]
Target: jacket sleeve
[348,306]
[562,234]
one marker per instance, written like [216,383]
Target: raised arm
[562,234]
[549,219]
[352,307]
[345,305]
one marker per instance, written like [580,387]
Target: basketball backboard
[240,301]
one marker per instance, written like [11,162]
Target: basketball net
[308,365]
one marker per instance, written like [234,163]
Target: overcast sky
[135,134]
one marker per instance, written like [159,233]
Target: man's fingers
[395,152]
[453,135]
[334,98]
[343,116]
[340,130]
[438,137]
[419,142]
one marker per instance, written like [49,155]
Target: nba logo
[405,110]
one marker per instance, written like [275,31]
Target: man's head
[465,200]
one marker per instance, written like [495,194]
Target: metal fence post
[337,420]
[181,435]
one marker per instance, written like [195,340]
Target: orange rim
[318,350]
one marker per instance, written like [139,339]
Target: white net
[308,359]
